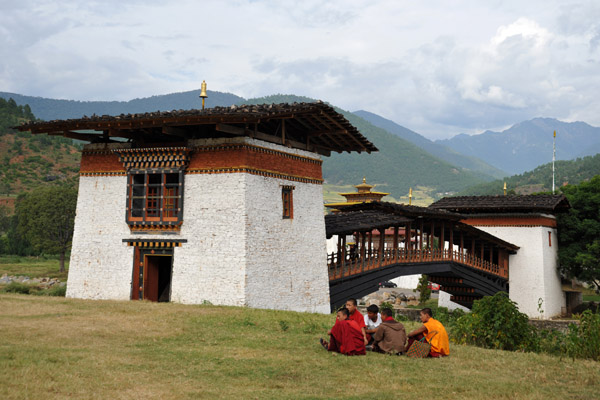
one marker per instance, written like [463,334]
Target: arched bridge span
[380,241]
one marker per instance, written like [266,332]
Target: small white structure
[223,205]
[530,223]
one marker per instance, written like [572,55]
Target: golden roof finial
[410,196]
[203,94]
[364,179]
[505,188]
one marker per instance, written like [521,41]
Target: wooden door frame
[140,260]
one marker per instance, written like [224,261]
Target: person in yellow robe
[434,332]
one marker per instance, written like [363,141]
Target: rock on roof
[548,203]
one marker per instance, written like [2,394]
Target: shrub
[495,322]
[552,342]
[284,325]
[17,287]
[583,341]
[386,304]
[58,291]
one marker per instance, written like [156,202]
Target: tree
[579,233]
[46,217]
[423,289]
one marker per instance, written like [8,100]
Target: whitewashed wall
[407,281]
[533,274]
[444,301]
[101,264]
[287,264]
[239,250]
[211,265]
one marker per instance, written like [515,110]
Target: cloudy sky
[437,67]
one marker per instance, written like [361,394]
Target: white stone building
[530,223]
[222,205]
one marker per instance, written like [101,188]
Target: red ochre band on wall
[254,158]
[512,221]
[233,158]
[101,163]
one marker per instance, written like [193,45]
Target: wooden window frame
[287,201]
[154,201]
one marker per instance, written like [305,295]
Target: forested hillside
[30,160]
[474,164]
[397,166]
[540,179]
[12,114]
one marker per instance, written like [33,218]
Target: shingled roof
[367,216]
[403,209]
[547,203]
[309,126]
[346,223]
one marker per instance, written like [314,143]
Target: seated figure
[372,321]
[390,336]
[346,336]
[434,333]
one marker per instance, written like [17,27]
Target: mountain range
[525,145]
[406,159]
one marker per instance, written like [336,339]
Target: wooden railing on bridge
[354,264]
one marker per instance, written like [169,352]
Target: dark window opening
[288,202]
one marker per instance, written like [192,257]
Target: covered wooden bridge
[391,240]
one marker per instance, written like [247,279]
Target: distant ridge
[444,152]
[48,109]
[540,179]
[528,144]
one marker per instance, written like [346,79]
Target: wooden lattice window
[155,197]
[288,201]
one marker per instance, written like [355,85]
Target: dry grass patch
[65,348]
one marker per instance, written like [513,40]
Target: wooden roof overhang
[546,203]
[313,127]
[348,223]
[400,215]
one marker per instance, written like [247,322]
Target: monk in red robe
[345,336]
[357,317]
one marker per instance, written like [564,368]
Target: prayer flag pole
[553,159]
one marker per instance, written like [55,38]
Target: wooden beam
[234,130]
[174,131]
[90,137]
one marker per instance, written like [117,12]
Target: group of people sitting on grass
[354,334]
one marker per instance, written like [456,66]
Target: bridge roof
[547,203]
[404,210]
[314,126]
[366,216]
[346,223]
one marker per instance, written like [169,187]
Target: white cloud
[437,67]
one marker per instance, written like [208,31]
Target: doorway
[157,277]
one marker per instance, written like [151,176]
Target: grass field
[33,267]
[63,348]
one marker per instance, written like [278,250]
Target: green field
[33,267]
[61,348]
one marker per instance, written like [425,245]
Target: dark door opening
[157,277]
